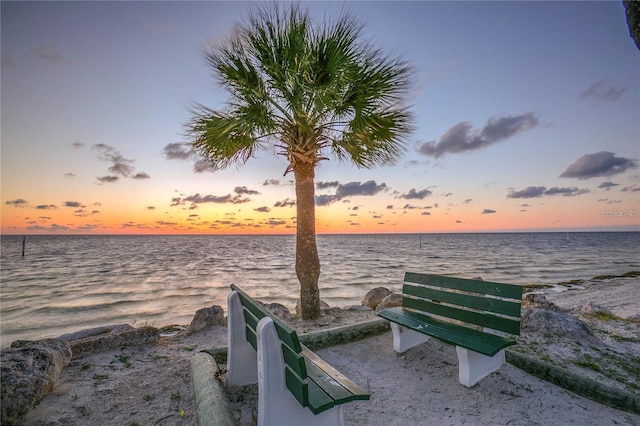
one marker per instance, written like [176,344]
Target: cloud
[77,145]
[216,199]
[72,204]
[462,137]
[285,203]
[356,188]
[539,191]
[566,192]
[262,209]
[603,163]
[607,185]
[120,166]
[184,151]
[488,211]
[326,185]
[18,202]
[529,192]
[243,190]
[350,189]
[70,175]
[178,151]
[467,201]
[46,207]
[53,228]
[273,182]
[49,53]
[201,165]
[6,61]
[425,214]
[601,90]
[416,195]
[108,179]
[325,200]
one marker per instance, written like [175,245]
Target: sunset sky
[527,118]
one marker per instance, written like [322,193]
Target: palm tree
[304,89]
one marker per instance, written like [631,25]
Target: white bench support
[474,366]
[276,405]
[242,361]
[405,338]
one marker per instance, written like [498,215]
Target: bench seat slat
[318,400]
[356,391]
[335,385]
[509,291]
[475,340]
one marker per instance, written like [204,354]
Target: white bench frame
[276,405]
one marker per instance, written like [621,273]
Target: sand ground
[151,384]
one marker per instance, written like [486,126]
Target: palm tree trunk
[307,261]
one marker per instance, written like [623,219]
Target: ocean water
[69,283]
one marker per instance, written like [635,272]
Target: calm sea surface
[69,283]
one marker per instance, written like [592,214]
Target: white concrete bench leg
[276,405]
[405,338]
[242,363]
[474,366]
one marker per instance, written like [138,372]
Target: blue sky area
[527,118]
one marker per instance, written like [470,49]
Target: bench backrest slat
[508,291]
[503,307]
[471,317]
[298,386]
[445,298]
[296,369]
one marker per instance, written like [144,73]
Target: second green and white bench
[480,318]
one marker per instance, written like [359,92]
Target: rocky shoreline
[120,374]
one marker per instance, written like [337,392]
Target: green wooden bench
[480,318]
[295,386]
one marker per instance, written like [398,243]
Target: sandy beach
[151,384]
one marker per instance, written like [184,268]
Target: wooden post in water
[24,242]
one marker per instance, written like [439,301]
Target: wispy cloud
[603,91]
[196,199]
[120,166]
[326,185]
[540,191]
[599,164]
[18,202]
[488,211]
[351,189]
[416,195]
[73,204]
[49,53]
[177,151]
[608,185]
[243,190]
[287,202]
[462,137]
[108,179]
[184,151]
